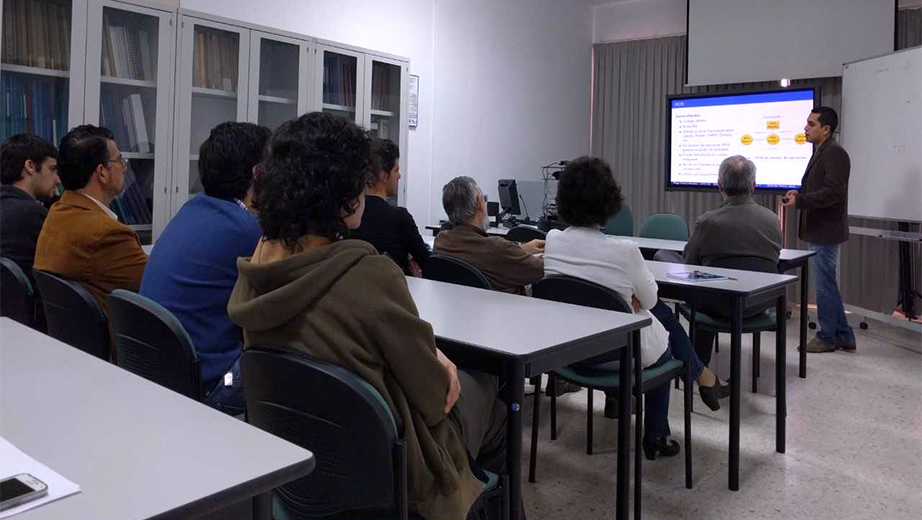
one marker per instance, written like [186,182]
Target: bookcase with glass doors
[161,79]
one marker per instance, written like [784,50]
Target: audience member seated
[193,267]
[339,301]
[82,238]
[28,174]
[739,227]
[508,265]
[587,196]
[391,229]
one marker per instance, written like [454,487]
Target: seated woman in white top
[587,196]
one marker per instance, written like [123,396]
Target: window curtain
[630,85]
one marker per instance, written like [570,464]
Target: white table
[137,450]
[746,289]
[517,337]
[790,259]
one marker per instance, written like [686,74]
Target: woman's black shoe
[710,395]
[659,446]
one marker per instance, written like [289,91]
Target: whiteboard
[882,133]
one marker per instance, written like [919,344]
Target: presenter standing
[823,223]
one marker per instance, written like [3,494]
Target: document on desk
[697,276]
[13,462]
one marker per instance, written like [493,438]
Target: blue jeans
[834,328]
[228,399]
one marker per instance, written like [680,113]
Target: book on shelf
[215,60]
[126,52]
[36,33]
[34,104]
[339,80]
[380,79]
[131,206]
[124,116]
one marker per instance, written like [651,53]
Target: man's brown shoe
[817,345]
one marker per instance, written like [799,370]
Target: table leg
[781,407]
[736,337]
[804,316]
[516,381]
[638,431]
[624,429]
[262,506]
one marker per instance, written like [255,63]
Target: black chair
[152,343]
[17,297]
[525,234]
[73,314]
[757,322]
[576,291]
[444,268]
[361,467]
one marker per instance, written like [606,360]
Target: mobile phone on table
[19,489]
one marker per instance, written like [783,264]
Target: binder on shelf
[36,33]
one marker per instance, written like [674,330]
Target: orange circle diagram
[746,139]
[773,139]
[800,138]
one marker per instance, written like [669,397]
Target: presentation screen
[766,127]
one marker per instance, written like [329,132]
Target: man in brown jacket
[508,265]
[823,205]
[82,238]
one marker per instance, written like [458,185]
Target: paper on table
[13,462]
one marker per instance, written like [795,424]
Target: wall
[641,19]
[511,89]
[401,27]
[504,85]
[638,19]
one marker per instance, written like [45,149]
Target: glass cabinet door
[340,76]
[128,86]
[213,67]
[41,67]
[278,79]
[386,84]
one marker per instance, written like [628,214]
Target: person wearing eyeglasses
[82,239]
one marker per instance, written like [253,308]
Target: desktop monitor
[509,197]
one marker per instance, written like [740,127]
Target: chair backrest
[17,298]
[445,268]
[568,289]
[621,224]
[665,226]
[525,234]
[343,420]
[746,263]
[152,343]
[73,315]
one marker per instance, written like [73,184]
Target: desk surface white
[787,255]
[742,281]
[510,324]
[136,449]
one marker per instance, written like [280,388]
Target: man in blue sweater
[193,266]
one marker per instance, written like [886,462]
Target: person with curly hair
[587,196]
[308,289]
[391,229]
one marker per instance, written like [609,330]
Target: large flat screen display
[766,127]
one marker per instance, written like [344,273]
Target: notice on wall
[414,101]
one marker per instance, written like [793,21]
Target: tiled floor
[854,443]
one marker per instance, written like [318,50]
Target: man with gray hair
[739,227]
[508,265]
